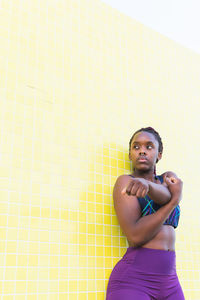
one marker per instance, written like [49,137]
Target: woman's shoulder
[123,178]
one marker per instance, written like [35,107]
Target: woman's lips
[142,159]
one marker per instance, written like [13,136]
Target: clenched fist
[138,187]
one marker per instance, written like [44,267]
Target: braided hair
[152,131]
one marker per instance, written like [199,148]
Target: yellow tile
[82,238]
[82,250]
[107,251]
[43,274]
[90,294]
[106,179]
[107,199]
[3,220]
[107,219]
[45,212]
[31,287]
[2,246]
[91,207]
[14,209]
[91,217]
[106,151]
[99,208]
[99,240]
[54,249]
[82,217]
[83,272]
[33,260]
[10,260]
[122,241]
[115,251]
[83,196]
[55,213]
[106,170]
[13,221]
[25,210]
[11,246]
[91,228]
[99,220]
[91,239]
[107,240]
[91,262]
[54,273]
[7,297]
[120,164]
[82,206]
[107,229]
[3,207]
[99,198]
[9,287]
[99,251]
[63,287]
[10,273]
[63,249]
[100,295]
[91,196]
[127,166]
[35,211]
[64,261]
[107,209]
[54,260]
[64,215]
[73,215]
[73,296]
[99,262]
[73,285]
[63,296]
[44,236]
[99,273]
[114,171]
[115,230]
[20,286]
[99,229]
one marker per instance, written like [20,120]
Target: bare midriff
[164,239]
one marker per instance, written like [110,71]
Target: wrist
[174,201]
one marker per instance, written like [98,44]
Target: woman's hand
[168,174]
[175,186]
[138,187]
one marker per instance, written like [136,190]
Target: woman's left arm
[159,193]
[141,187]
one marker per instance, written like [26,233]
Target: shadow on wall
[101,242]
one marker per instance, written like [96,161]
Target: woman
[147,209]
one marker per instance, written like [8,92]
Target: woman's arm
[159,193]
[139,230]
[140,187]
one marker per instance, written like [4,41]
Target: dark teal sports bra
[148,207]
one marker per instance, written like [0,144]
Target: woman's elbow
[135,241]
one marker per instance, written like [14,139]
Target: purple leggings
[144,274]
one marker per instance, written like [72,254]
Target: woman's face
[144,151]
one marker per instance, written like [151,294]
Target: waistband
[152,261]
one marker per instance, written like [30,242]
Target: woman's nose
[142,151]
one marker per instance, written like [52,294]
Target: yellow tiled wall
[77,78]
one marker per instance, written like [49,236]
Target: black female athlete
[147,208]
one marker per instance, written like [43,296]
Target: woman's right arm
[139,230]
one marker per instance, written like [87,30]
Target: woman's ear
[159,156]
[129,155]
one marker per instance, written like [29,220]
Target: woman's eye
[149,147]
[136,147]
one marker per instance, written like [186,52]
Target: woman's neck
[150,175]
